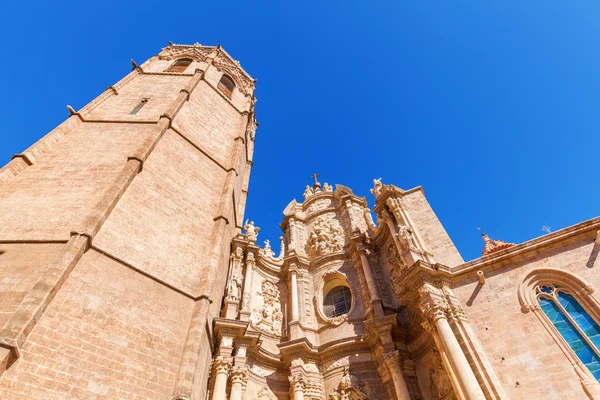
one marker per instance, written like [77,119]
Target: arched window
[337,301]
[180,65]
[226,85]
[572,321]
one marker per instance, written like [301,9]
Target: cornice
[526,249]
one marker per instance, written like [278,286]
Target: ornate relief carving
[269,317]
[223,63]
[195,52]
[327,187]
[261,371]
[221,366]
[326,237]
[266,394]
[439,382]
[345,361]
[350,388]
[319,205]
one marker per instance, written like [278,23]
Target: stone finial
[317,184]
[491,245]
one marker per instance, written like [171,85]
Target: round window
[337,301]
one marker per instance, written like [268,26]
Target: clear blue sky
[491,106]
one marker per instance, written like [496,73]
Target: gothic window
[180,65]
[573,323]
[337,301]
[138,107]
[226,85]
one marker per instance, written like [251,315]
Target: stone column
[221,368]
[246,296]
[363,251]
[392,361]
[297,387]
[435,307]
[294,290]
[238,383]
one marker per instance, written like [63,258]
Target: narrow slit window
[180,65]
[139,106]
[226,85]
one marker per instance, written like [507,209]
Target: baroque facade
[127,270]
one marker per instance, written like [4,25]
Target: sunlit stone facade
[127,270]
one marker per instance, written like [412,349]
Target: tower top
[214,55]
[491,245]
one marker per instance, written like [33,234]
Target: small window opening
[337,301]
[226,85]
[180,65]
[139,106]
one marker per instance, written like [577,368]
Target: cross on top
[317,185]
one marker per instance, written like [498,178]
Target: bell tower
[115,230]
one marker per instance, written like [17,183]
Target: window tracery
[574,323]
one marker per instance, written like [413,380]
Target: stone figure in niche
[407,239]
[251,231]
[327,187]
[308,192]
[377,186]
[439,382]
[350,388]
[326,238]
[234,288]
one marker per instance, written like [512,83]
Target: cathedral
[128,270]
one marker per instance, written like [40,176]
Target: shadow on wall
[592,260]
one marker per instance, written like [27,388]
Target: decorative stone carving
[377,186]
[326,237]
[439,382]
[261,371]
[319,205]
[308,192]
[327,187]
[269,317]
[221,366]
[265,394]
[234,288]
[369,218]
[406,237]
[267,251]
[350,388]
[251,231]
[345,361]
[226,341]
[393,257]
[239,375]
[223,62]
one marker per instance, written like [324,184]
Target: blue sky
[491,106]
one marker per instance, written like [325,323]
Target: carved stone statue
[377,185]
[327,187]
[233,288]
[308,192]
[251,231]
[406,236]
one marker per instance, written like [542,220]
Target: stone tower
[115,233]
